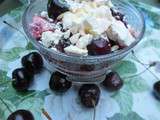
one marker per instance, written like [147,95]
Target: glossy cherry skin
[89,95]
[59,83]
[156,89]
[21,115]
[99,47]
[113,81]
[33,62]
[62,44]
[21,79]
[55,8]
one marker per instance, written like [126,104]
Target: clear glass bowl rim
[83,59]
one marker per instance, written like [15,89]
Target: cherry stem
[135,75]
[8,81]
[94,113]
[6,105]
[26,97]
[15,28]
[150,65]
[133,53]
[45,113]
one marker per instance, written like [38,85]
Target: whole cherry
[21,115]
[21,79]
[89,95]
[33,62]
[59,83]
[113,81]
[99,47]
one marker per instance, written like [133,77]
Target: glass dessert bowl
[91,67]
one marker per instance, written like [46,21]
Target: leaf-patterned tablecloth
[133,102]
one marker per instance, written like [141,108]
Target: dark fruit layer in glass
[99,47]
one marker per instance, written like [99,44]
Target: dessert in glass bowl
[80,38]
[80,27]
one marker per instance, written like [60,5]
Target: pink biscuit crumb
[39,25]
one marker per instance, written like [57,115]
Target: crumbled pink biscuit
[40,25]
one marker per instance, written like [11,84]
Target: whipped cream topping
[75,50]
[49,37]
[118,32]
[84,41]
[90,17]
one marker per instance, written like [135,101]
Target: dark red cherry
[99,47]
[21,79]
[21,115]
[89,95]
[59,83]
[33,62]
[156,89]
[113,81]
[62,44]
[55,8]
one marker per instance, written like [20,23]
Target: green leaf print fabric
[133,102]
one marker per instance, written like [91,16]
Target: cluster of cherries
[89,94]
[22,79]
